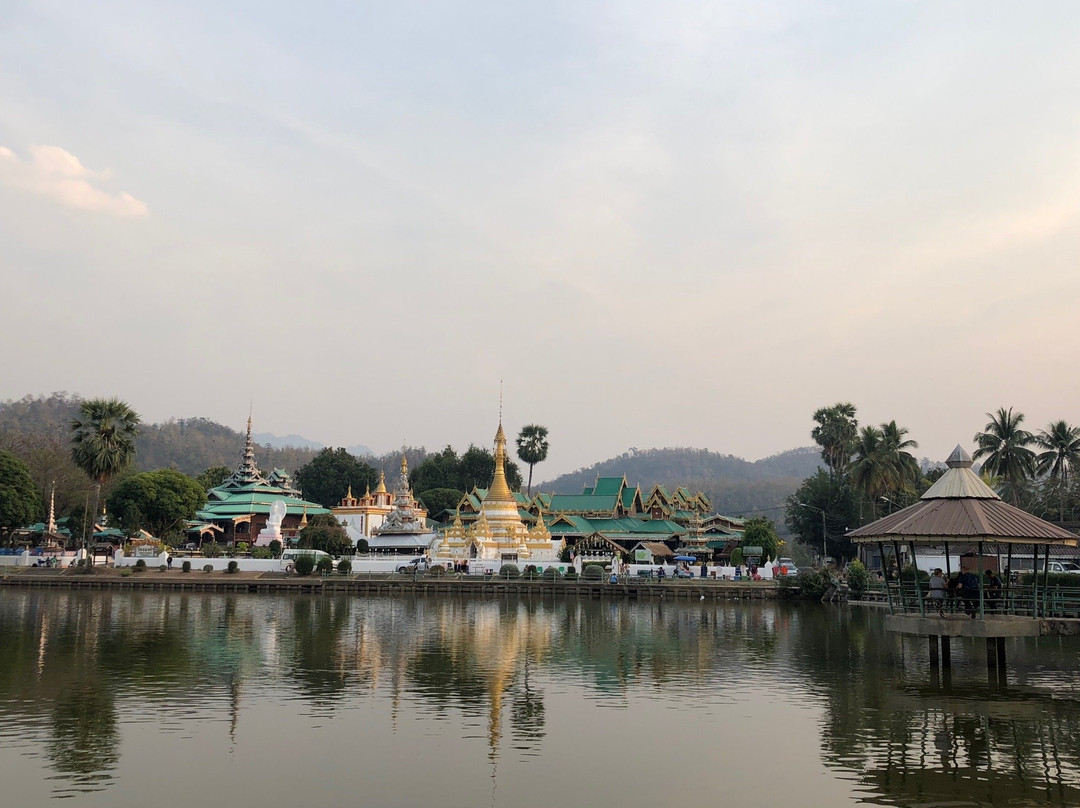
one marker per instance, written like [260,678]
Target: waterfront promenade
[108,579]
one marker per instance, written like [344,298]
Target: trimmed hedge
[509,571]
[304,563]
[551,574]
[592,572]
[344,566]
[326,564]
[186,566]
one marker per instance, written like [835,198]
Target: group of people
[961,591]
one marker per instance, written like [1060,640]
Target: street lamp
[824,547]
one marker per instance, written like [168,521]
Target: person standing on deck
[937,591]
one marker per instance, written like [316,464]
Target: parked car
[789,565]
[416,565]
[1070,567]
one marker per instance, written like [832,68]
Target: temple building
[403,528]
[362,516]
[499,532]
[239,508]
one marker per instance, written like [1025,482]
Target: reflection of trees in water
[914,743]
[85,738]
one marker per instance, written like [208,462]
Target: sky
[652,223]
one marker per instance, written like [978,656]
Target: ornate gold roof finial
[303,519]
[404,465]
[382,483]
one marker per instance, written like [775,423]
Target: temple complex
[362,516]
[405,528]
[499,532]
[239,508]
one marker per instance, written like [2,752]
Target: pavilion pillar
[1046,576]
[885,574]
[948,577]
[1034,580]
[899,575]
[1008,581]
[982,576]
[918,586]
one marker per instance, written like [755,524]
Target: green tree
[326,479]
[474,468]
[872,472]
[532,447]
[837,433]
[1005,444]
[213,477]
[158,501]
[20,503]
[103,443]
[906,471]
[834,495]
[761,532]
[437,500]
[1061,445]
[324,532]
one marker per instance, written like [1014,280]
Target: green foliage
[1003,446]
[162,567]
[208,568]
[551,574]
[812,583]
[275,548]
[344,566]
[909,573]
[213,477]
[304,563]
[124,572]
[327,478]
[324,532]
[858,578]
[362,545]
[571,574]
[103,438]
[509,571]
[437,500]
[1055,580]
[20,503]
[737,557]
[262,553]
[158,501]
[212,549]
[882,464]
[592,572]
[833,494]
[836,433]
[474,468]
[532,447]
[232,567]
[186,566]
[437,570]
[325,564]
[761,532]
[531,573]
[140,565]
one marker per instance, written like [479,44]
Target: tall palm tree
[872,471]
[1061,443]
[836,433]
[905,468]
[532,447]
[1004,445]
[103,443]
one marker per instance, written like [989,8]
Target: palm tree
[1062,451]
[904,465]
[103,443]
[532,447]
[1004,445]
[872,471]
[836,433]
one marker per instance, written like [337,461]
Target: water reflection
[531,684]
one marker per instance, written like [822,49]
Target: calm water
[135,700]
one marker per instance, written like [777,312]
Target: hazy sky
[661,223]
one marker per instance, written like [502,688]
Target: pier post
[991,661]
[933,651]
[1001,661]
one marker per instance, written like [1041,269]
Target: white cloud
[57,174]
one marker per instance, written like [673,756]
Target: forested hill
[736,486]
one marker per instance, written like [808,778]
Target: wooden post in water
[1001,661]
[933,651]
[885,574]
[991,660]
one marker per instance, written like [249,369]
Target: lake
[205,700]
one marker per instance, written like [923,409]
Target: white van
[288,558]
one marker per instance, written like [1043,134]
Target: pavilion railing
[1018,600]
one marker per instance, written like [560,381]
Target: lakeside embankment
[381,584]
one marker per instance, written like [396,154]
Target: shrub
[233,567]
[261,552]
[186,566]
[551,574]
[737,559]
[326,564]
[362,545]
[162,567]
[344,566]
[509,571]
[242,547]
[125,572]
[857,578]
[592,572]
[1054,579]
[438,569]
[140,565]
[304,563]
[81,562]
[275,548]
[909,573]
[531,573]
[571,574]
[813,583]
[211,550]
[208,568]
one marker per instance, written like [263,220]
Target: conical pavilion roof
[958,507]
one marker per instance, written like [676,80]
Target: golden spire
[303,519]
[404,465]
[500,491]
[382,483]
[349,495]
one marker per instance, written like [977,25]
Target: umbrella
[685,558]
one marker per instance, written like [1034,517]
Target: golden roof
[382,483]
[499,490]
